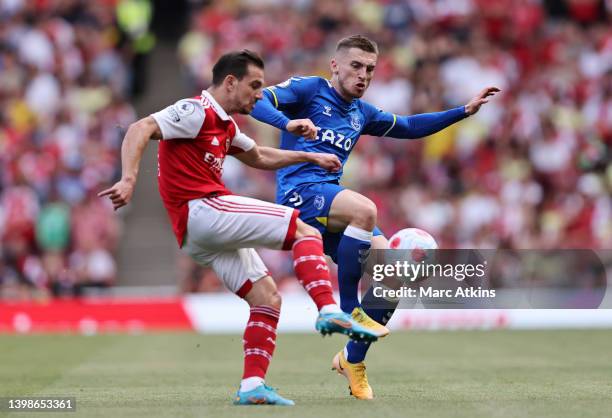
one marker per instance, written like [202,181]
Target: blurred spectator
[532,170]
[63,94]
[134,18]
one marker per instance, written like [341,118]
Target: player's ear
[230,82]
[334,66]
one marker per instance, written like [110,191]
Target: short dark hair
[235,63]
[357,41]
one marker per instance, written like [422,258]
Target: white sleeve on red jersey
[183,119]
[241,142]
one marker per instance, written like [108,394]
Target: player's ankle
[251,383]
[332,308]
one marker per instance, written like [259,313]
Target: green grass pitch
[414,374]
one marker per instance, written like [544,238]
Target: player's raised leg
[355,215]
[248,222]
[311,268]
[313,274]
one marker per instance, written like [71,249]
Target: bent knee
[264,292]
[305,230]
[273,299]
[364,215]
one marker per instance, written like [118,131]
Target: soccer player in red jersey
[220,229]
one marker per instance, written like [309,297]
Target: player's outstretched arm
[474,105]
[418,126]
[267,158]
[134,143]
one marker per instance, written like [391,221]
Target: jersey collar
[220,111]
[341,100]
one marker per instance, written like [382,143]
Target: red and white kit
[214,226]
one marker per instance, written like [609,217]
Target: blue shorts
[314,201]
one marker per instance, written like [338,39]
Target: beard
[246,110]
[351,89]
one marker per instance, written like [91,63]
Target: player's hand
[330,162]
[474,105]
[120,194]
[302,127]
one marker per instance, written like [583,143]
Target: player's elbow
[265,159]
[139,125]
[145,127]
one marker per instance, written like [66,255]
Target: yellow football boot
[356,376]
[365,321]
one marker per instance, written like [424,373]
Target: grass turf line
[416,374]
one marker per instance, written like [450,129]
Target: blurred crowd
[66,78]
[531,170]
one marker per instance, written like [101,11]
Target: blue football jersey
[339,123]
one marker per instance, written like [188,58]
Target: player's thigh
[238,269]
[314,202]
[233,222]
[349,207]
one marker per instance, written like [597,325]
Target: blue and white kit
[308,187]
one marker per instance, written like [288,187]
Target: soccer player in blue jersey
[320,115]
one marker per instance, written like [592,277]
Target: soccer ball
[418,242]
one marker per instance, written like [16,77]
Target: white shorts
[222,232]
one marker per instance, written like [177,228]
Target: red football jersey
[197,135]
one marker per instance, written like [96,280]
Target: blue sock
[356,352]
[354,244]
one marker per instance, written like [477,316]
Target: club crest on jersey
[327,110]
[355,121]
[319,202]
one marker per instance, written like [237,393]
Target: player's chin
[358,92]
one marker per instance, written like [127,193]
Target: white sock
[250,383]
[330,309]
[358,233]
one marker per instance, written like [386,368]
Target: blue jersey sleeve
[280,102]
[264,111]
[409,127]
